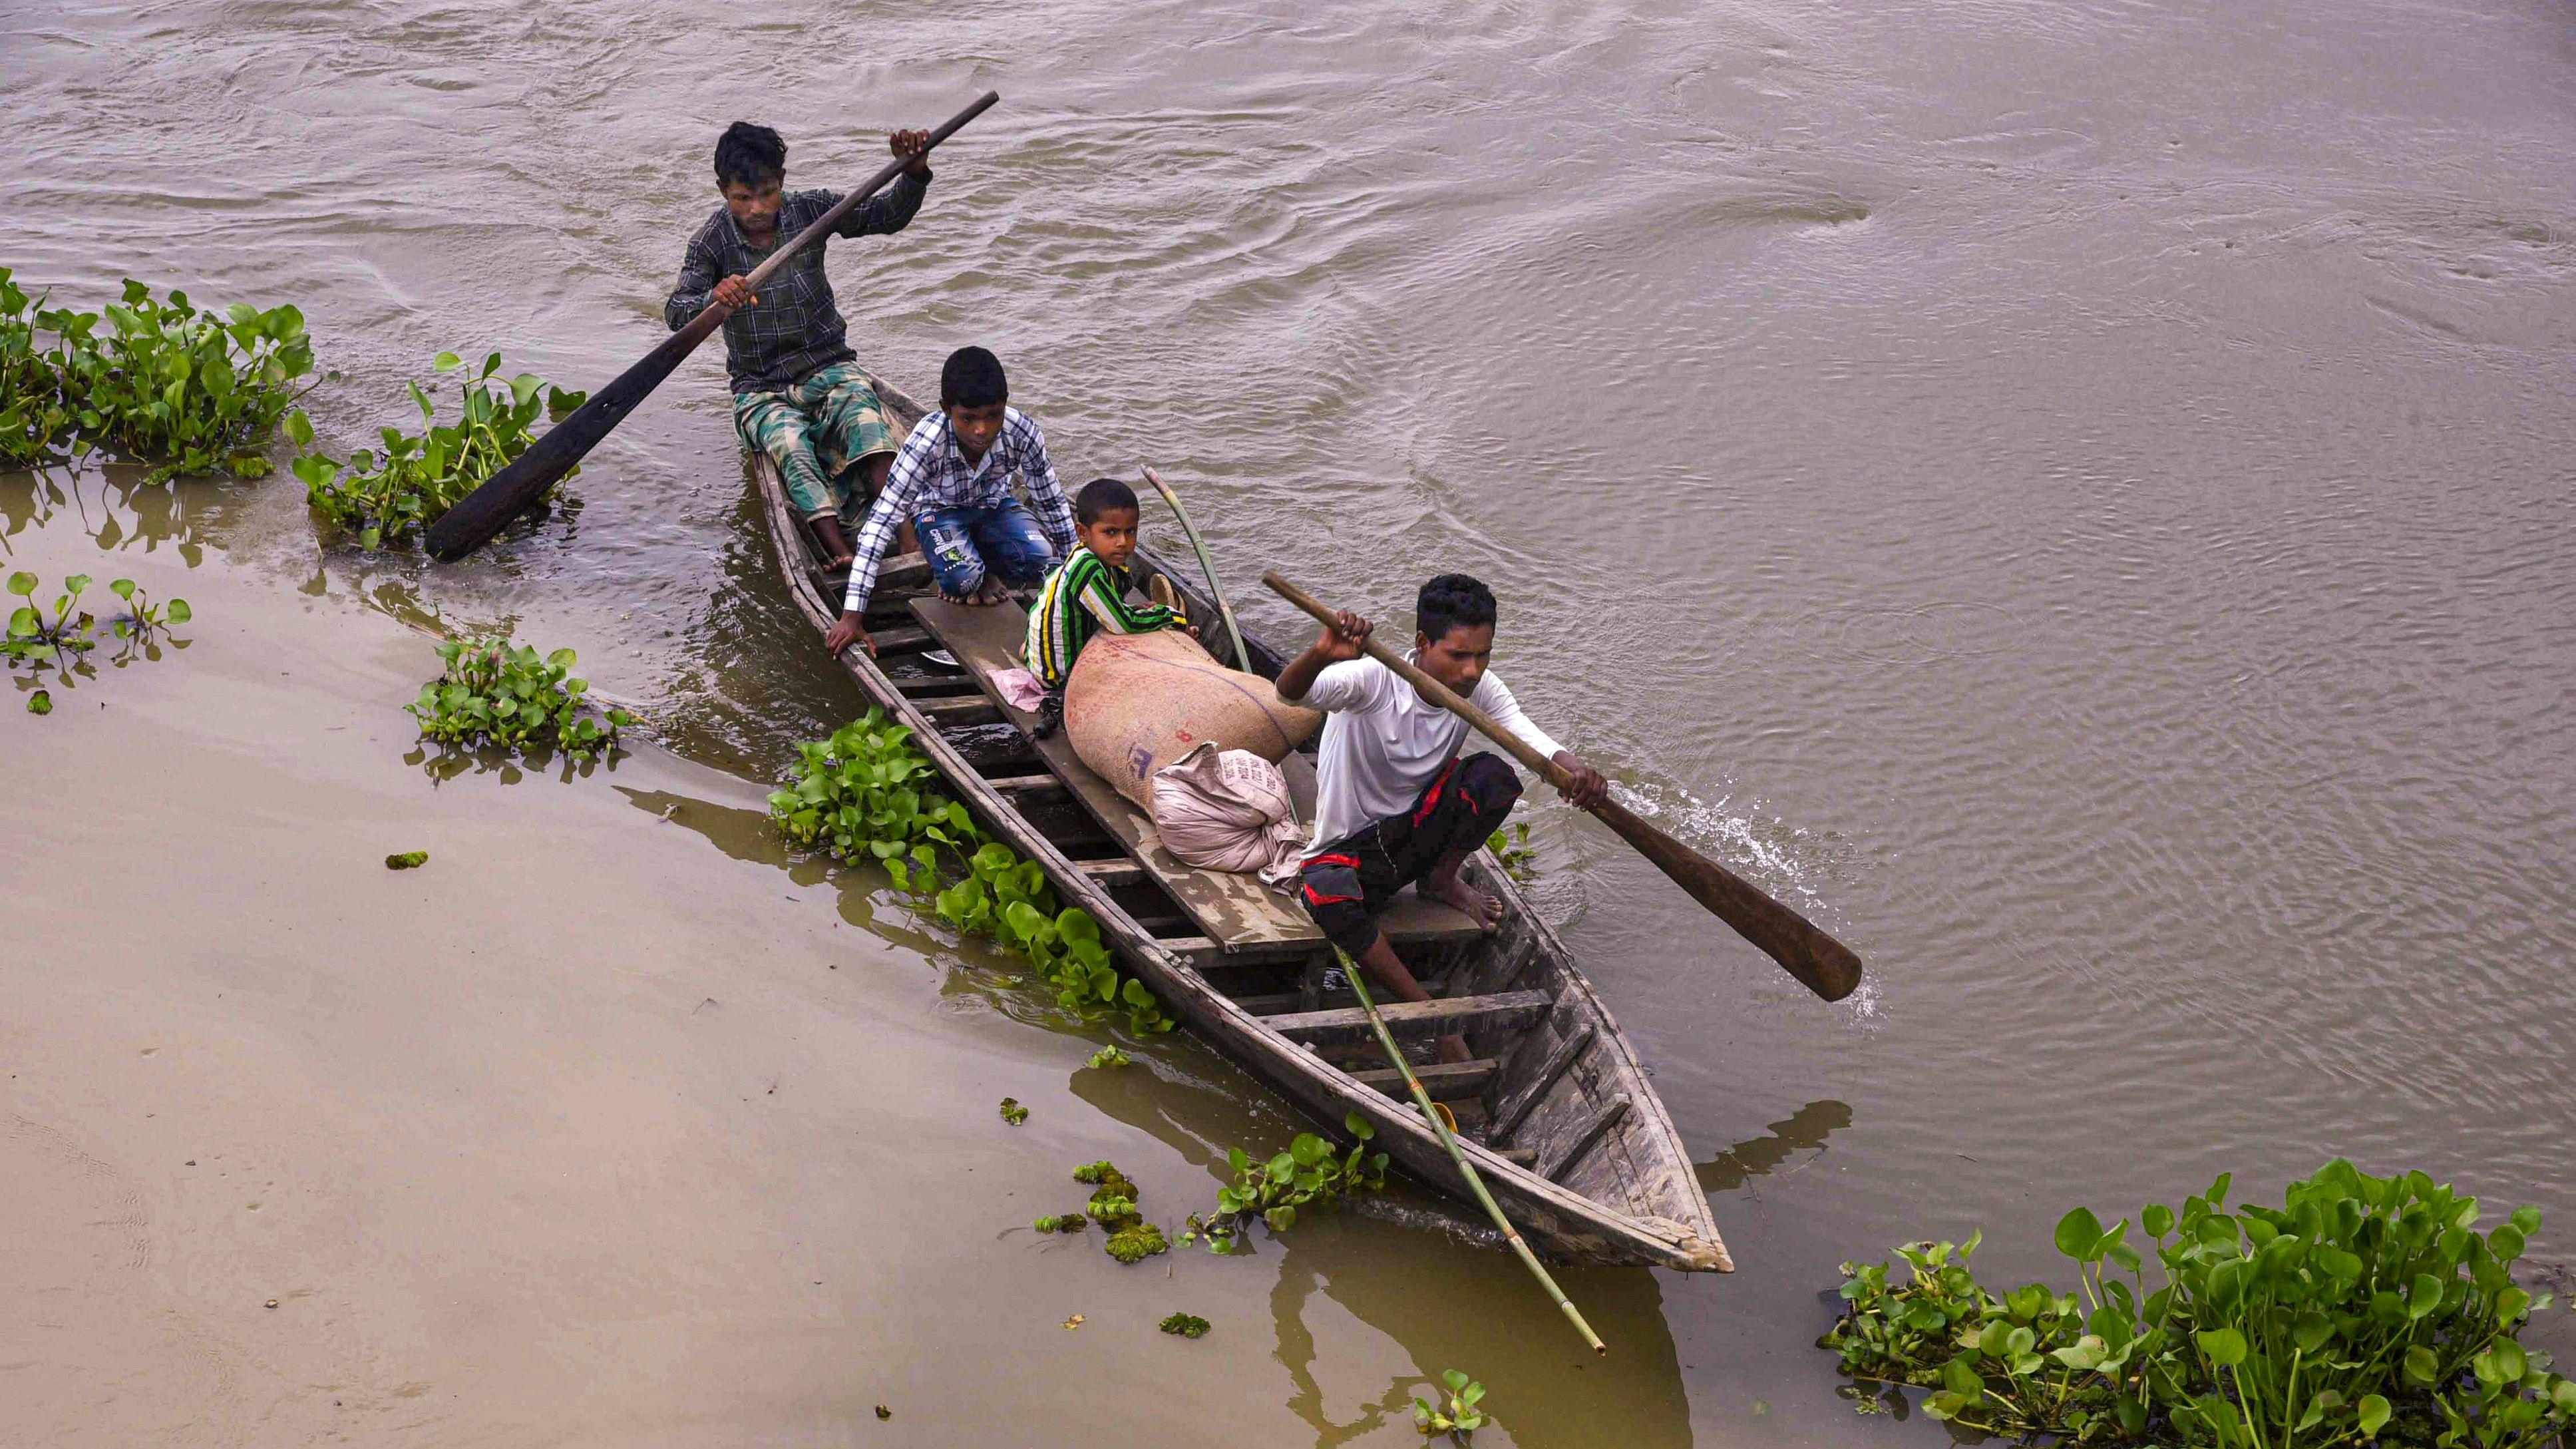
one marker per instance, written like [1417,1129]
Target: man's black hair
[1099,496]
[1452,601]
[750,155]
[972,378]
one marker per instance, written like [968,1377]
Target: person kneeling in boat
[798,393]
[1394,802]
[1087,594]
[951,481]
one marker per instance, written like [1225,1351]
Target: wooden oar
[512,491]
[1207,565]
[1826,966]
[1439,1120]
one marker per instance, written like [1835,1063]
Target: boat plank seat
[1445,1081]
[1235,912]
[1439,1016]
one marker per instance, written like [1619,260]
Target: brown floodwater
[2076,497]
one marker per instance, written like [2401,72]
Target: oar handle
[716,312]
[1430,688]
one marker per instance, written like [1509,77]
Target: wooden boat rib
[1566,1129]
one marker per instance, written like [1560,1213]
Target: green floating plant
[1453,1412]
[1309,1176]
[496,694]
[1513,852]
[1187,1325]
[407,860]
[384,497]
[158,380]
[1013,1112]
[2363,1309]
[1110,1056]
[57,636]
[868,794]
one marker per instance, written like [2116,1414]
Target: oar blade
[514,490]
[1822,964]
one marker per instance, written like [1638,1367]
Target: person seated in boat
[952,481]
[798,393]
[1394,803]
[1087,594]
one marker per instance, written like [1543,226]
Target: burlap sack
[1138,702]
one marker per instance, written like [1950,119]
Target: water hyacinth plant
[495,694]
[869,794]
[2363,1309]
[1455,1413]
[1308,1176]
[190,391]
[58,636]
[385,497]
[34,419]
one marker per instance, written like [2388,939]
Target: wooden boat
[1567,1131]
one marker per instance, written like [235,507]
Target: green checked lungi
[819,430]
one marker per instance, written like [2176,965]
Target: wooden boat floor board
[1235,911]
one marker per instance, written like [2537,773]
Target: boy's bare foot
[1481,908]
[1453,1050]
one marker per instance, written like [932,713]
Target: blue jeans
[961,543]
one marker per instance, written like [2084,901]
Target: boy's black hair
[972,378]
[1452,601]
[1099,496]
[750,155]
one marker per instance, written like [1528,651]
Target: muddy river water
[2075,496]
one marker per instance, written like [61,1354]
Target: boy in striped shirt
[1088,594]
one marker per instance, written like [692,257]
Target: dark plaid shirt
[794,328]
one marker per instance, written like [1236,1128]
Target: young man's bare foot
[991,591]
[1453,1050]
[1481,908]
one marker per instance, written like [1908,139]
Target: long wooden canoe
[1565,1128]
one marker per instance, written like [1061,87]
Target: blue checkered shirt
[794,328]
[930,473]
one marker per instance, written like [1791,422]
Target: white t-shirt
[1383,742]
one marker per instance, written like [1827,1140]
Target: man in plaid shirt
[798,393]
[952,482]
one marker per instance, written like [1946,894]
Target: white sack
[1228,810]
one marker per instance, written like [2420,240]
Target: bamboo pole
[1207,565]
[1458,1155]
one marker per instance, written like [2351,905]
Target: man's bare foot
[991,591]
[1481,908]
[1453,1050]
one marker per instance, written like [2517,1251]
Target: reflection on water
[1439,1303]
[1804,1130]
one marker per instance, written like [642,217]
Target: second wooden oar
[512,491]
[1475,1184]
[1207,565]
[1824,965]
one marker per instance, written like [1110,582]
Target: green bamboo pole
[1242,656]
[1466,1169]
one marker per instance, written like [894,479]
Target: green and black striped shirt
[1077,601]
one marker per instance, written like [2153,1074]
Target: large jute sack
[1228,810]
[1138,702]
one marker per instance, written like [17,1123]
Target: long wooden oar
[1207,565]
[512,491]
[1826,966]
[1475,1184]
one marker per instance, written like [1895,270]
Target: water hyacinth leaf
[2510,1361]
[2374,1415]
[2225,1346]
[2077,1232]
[2310,1330]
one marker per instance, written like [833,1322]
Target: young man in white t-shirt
[1394,804]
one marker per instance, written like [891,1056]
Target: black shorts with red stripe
[1349,883]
